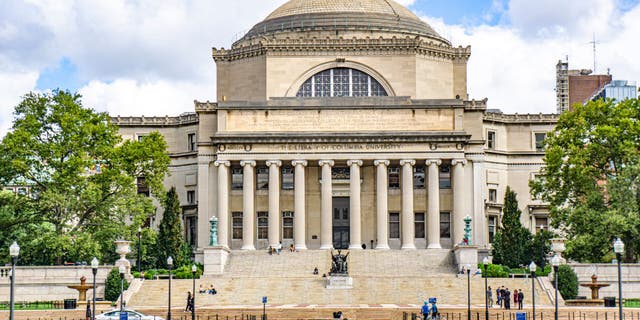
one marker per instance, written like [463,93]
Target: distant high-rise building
[576,86]
[618,90]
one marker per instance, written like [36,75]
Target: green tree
[567,282]
[82,179]
[170,242]
[591,178]
[512,242]
[113,285]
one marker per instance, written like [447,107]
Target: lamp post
[140,252]
[618,248]
[94,270]
[194,269]
[170,265]
[14,251]
[532,269]
[555,262]
[122,270]
[485,262]
[468,292]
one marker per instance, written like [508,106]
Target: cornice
[166,121]
[540,118]
[340,137]
[354,46]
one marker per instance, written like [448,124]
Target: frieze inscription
[341,147]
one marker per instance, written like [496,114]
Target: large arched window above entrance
[341,82]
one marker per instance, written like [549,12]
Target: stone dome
[385,16]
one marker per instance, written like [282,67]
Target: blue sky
[153,57]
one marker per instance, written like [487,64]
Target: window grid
[237,224]
[394,225]
[263,225]
[287,225]
[419,225]
[445,225]
[341,82]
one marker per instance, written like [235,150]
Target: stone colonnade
[326,232]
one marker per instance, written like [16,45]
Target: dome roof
[330,15]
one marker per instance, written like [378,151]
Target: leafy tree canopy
[82,180]
[591,178]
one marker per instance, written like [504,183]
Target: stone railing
[521,118]
[183,119]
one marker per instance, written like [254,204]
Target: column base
[215,259]
[326,247]
[434,246]
[355,247]
[408,246]
[248,247]
[382,247]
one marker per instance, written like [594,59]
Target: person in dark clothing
[499,297]
[189,306]
[507,299]
[520,298]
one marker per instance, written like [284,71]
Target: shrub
[494,271]
[112,285]
[567,282]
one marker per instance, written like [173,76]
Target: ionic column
[408,219]
[204,211]
[433,202]
[382,210]
[223,202]
[355,235]
[299,216]
[274,202]
[326,236]
[459,200]
[248,210]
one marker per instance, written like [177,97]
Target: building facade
[347,124]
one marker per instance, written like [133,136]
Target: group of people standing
[503,298]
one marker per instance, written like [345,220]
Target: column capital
[326,162]
[381,163]
[248,163]
[276,163]
[225,163]
[410,162]
[354,162]
[299,163]
[437,162]
[458,161]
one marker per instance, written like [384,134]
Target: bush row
[500,271]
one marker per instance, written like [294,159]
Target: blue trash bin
[521,316]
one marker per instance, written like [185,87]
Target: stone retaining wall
[608,273]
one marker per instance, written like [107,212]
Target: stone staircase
[379,277]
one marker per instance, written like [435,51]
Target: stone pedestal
[339,282]
[466,256]
[215,258]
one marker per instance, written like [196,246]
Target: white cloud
[13,86]
[406,2]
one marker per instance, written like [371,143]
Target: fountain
[82,288]
[595,300]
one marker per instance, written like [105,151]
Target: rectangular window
[492,227]
[394,177]
[541,224]
[493,195]
[141,137]
[191,141]
[191,196]
[287,225]
[142,186]
[540,136]
[237,224]
[262,179]
[445,225]
[263,225]
[287,178]
[419,225]
[445,176]
[340,173]
[394,225]
[236,178]
[491,139]
[418,178]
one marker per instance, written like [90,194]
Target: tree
[170,242]
[82,179]
[512,242]
[113,285]
[591,178]
[567,282]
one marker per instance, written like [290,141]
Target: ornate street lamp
[194,269]
[170,265]
[14,252]
[140,252]
[468,292]
[485,262]
[555,263]
[94,270]
[532,269]
[618,248]
[122,270]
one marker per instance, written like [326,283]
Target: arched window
[341,82]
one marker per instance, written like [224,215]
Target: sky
[153,57]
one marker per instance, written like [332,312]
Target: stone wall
[50,283]
[608,273]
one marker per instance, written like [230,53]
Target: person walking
[507,299]
[520,299]
[425,310]
[189,306]
[499,297]
[490,297]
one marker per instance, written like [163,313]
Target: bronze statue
[339,263]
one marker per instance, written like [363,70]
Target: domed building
[347,125]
